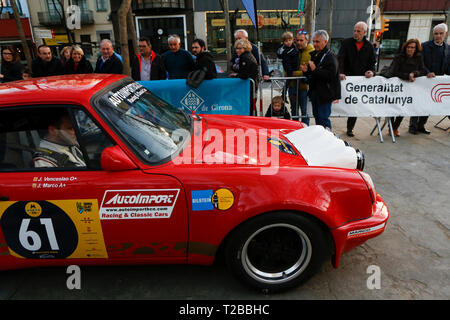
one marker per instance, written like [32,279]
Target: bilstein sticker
[202,200]
[138,204]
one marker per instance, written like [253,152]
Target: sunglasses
[302,32]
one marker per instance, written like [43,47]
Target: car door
[83,212]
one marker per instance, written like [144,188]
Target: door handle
[4,198]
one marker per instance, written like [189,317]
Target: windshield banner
[382,97]
[217,96]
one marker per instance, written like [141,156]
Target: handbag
[195,78]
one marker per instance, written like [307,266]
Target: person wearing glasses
[246,67]
[243,34]
[11,68]
[147,65]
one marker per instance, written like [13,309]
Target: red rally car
[97,170]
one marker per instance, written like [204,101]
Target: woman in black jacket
[407,65]
[11,68]
[77,64]
[246,67]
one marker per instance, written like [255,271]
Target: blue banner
[217,96]
[250,7]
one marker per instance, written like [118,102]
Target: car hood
[231,140]
[259,141]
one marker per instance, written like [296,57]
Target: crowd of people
[321,67]
[356,57]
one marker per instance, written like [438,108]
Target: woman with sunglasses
[246,67]
[11,68]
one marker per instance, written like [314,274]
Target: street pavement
[412,255]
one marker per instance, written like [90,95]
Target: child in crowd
[288,53]
[277,109]
[26,74]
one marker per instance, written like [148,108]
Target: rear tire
[276,251]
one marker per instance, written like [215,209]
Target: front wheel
[276,251]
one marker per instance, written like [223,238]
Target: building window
[145,4]
[81,3]
[272,24]
[54,8]
[101,5]
[86,44]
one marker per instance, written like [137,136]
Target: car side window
[92,139]
[47,138]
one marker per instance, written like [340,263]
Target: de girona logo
[439,91]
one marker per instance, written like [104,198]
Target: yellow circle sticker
[33,209]
[223,199]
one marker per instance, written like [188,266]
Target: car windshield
[152,127]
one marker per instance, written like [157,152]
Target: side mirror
[114,159]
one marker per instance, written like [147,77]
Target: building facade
[94,24]
[8,28]
[157,19]
[411,19]
[274,18]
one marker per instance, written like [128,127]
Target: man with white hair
[436,57]
[108,62]
[243,34]
[356,58]
[178,62]
[322,72]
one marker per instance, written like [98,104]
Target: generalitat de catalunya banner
[382,97]
[217,96]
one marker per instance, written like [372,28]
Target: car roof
[67,88]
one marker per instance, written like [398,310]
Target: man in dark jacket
[323,75]
[147,65]
[436,57]
[356,58]
[46,65]
[108,62]
[204,59]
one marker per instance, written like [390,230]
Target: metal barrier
[437,124]
[380,128]
[282,85]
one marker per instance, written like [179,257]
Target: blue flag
[250,7]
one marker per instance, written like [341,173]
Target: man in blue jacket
[177,61]
[436,57]
[108,62]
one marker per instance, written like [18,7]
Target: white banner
[381,97]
